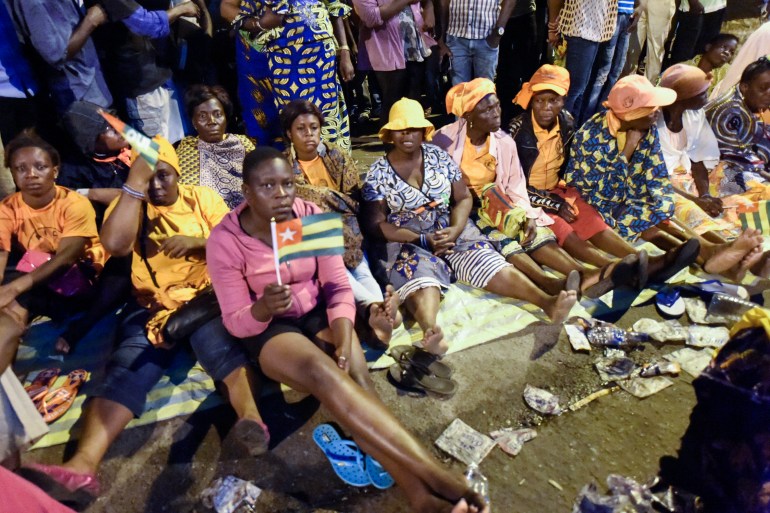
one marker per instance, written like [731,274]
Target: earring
[470,124]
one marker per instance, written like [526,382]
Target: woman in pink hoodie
[288,329]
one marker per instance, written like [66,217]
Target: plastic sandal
[379,476]
[412,378]
[670,303]
[58,401]
[346,458]
[42,383]
[676,260]
[422,359]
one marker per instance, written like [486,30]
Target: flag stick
[275,250]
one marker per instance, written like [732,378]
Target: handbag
[74,282]
[186,319]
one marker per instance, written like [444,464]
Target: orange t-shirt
[69,215]
[478,166]
[544,174]
[316,173]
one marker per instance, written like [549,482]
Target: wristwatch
[499,31]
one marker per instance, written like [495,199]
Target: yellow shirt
[316,173]
[479,168]
[544,174]
[69,215]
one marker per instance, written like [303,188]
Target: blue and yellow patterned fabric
[630,196]
[301,63]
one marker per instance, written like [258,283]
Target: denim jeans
[366,290]
[471,58]
[608,66]
[581,55]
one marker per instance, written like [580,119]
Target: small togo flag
[309,236]
[139,142]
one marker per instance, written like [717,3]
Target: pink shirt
[241,266]
[381,44]
[510,178]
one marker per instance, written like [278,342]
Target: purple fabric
[152,24]
[381,47]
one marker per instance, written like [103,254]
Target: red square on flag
[289,232]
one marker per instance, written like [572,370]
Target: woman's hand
[442,241]
[10,291]
[567,213]
[342,354]
[140,175]
[180,246]
[276,300]
[530,232]
[712,206]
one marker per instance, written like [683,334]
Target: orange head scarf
[465,96]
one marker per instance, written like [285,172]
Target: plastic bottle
[612,336]
[477,481]
[725,305]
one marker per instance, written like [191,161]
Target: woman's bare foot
[761,268]
[591,277]
[730,255]
[558,307]
[391,305]
[380,323]
[433,341]
[751,259]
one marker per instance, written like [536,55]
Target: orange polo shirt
[478,166]
[544,174]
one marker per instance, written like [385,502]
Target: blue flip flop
[346,458]
[379,476]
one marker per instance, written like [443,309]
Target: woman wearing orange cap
[488,159]
[617,166]
[416,200]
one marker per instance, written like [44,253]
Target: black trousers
[398,84]
[690,34]
[519,58]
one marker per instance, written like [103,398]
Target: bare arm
[120,229]
[344,63]
[94,17]
[184,9]
[103,196]
[375,222]
[230,9]
[701,177]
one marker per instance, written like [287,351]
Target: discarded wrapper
[229,493]
[659,368]
[465,443]
[614,368]
[698,312]
[577,337]
[625,496]
[693,361]
[645,387]
[512,440]
[661,331]
[707,336]
[542,401]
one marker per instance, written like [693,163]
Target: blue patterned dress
[630,196]
[298,61]
[410,267]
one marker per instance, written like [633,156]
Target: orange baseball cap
[547,78]
[635,92]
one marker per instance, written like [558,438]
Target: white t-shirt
[700,146]
[708,5]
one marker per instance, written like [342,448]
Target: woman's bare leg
[585,251]
[297,362]
[423,304]
[556,258]
[660,238]
[240,388]
[611,242]
[534,272]
[10,335]
[510,282]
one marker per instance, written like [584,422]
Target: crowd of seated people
[538,208]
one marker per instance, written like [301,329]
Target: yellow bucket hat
[406,113]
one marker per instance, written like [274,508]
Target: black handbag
[186,319]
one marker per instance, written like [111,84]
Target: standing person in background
[61,35]
[652,31]
[136,74]
[519,55]
[612,55]
[586,25]
[305,43]
[393,45]
[471,36]
[696,23]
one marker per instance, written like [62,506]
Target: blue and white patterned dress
[410,267]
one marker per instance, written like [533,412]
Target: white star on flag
[288,234]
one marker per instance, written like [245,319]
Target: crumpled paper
[542,401]
[577,337]
[661,331]
[707,336]
[227,494]
[614,368]
[645,387]
[512,440]
[697,311]
[692,360]
[625,496]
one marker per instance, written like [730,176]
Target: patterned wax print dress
[410,267]
[301,64]
[630,196]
